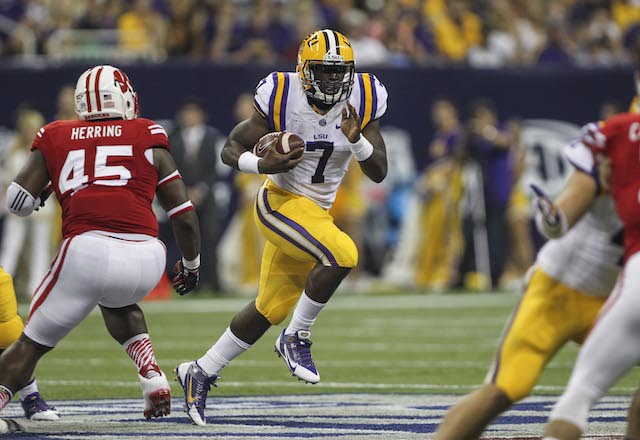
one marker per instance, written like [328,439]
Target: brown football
[283,141]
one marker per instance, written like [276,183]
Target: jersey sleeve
[42,140]
[154,134]
[270,99]
[373,98]
[580,153]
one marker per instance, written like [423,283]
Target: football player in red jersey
[105,170]
[612,347]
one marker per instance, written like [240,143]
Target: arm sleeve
[41,141]
[154,134]
[582,152]
[263,94]
[371,98]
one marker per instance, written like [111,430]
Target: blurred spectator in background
[37,228]
[440,188]
[456,27]
[65,103]
[368,50]
[411,38]
[193,146]
[521,248]
[143,29]
[400,32]
[241,254]
[558,49]
[610,108]
[491,145]
[101,14]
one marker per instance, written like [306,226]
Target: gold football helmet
[326,66]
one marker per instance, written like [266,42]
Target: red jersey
[618,138]
[102,173]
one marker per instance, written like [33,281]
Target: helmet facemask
[328,82]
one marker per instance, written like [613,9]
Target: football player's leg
[539,326]
[633,418]
[600,362]
[10,323]
[10,329]
[246,327]
[306,233]
[131,279]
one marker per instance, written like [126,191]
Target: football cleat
[35,408]
[157,396]
[195,383]
[295,350]
[8,426]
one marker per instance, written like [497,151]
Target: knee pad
[10,331]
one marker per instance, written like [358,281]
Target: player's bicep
[34,175]
[243,137]
[171,192]
[249,131]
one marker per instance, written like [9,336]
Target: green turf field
[376,343]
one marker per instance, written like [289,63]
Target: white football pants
[92,269]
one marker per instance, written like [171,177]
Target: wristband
[556,230]
[362,149]
[248,163]
[191,264]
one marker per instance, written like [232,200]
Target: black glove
[186,279]
[44,195]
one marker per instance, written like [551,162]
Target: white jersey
[589,256]
[281,99]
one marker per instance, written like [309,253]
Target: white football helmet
[105,92]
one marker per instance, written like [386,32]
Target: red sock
[140,351]
[5,396]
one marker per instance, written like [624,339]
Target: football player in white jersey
[336,112]
[570,281]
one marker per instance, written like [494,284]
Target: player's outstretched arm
[23,193]
[575,199]
[236,151]
[366,145]
[172,195]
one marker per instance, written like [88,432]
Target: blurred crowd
[483,33]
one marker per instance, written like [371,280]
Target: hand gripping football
[283,141]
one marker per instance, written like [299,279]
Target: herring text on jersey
[90,132]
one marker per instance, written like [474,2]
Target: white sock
[32,387]
[227,348]
[304,315]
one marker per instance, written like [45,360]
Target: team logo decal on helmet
[105,92]
[326,66]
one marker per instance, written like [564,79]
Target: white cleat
[195,383]
[8,426]
[295,350]
[35,408]
[157,396]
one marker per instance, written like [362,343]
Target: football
[283,141]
